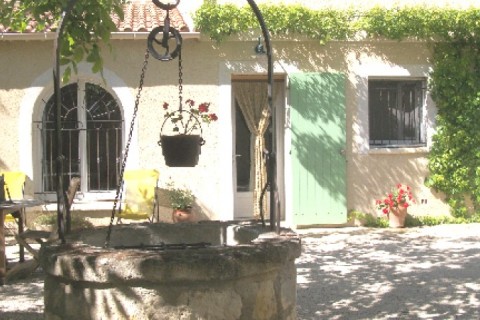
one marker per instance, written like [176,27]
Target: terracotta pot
[182,215]
[396,217]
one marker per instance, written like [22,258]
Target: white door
[243,178]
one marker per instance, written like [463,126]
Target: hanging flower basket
[181,150]
[181,145]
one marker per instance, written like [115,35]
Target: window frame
[84,191]
[421,127]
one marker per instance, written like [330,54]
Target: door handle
[342,152]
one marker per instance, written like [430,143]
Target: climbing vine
[221,21]
[454,160]
[417,22]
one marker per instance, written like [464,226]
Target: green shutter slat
[318,116]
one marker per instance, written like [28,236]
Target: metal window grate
[92,138]
[395,112]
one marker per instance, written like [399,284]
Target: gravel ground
[351,273]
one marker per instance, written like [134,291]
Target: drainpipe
[272,160]
[59,158]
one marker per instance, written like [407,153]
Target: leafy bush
[368,220]
[78,222]
[454,159]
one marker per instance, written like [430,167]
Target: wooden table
[5,208]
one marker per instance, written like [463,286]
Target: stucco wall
[207,68]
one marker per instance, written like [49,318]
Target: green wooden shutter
[318,148]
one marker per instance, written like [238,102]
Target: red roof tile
[138,17]
[144,17]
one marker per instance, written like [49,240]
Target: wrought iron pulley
[167,33]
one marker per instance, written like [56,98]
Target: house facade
[354,118]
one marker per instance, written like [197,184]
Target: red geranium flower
[203,107]
[187,120]
[400,197]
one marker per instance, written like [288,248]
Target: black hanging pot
[181,150]
[181,144]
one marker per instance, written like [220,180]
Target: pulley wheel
[172,34]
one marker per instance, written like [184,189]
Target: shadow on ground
[354,273]
[418,273]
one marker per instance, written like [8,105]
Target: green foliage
[420,221]
[77,222]
[221,21]
[410,22]
[88,24]
[180,198]
[368,220]
[454,160]
[376,222]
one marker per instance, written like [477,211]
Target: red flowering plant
[186,120]
[402,196]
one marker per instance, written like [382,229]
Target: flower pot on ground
[182,215]
[181,201]
[395,205]
[396,217]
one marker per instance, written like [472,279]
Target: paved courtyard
[354,273]
[413,273]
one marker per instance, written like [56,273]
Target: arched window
[92,138]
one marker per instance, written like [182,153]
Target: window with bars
[395,113]
[91,138]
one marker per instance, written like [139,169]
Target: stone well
[208,270]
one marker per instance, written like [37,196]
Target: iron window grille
[396,113]
[92,138]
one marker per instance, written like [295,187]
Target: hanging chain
[118,195]
[180,80]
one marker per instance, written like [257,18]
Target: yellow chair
[139,201]
[14,190]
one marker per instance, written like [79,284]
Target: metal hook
[166,31]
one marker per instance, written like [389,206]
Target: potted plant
[181,201]
[181,148]
[395,205]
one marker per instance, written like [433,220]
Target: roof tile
[143,17]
